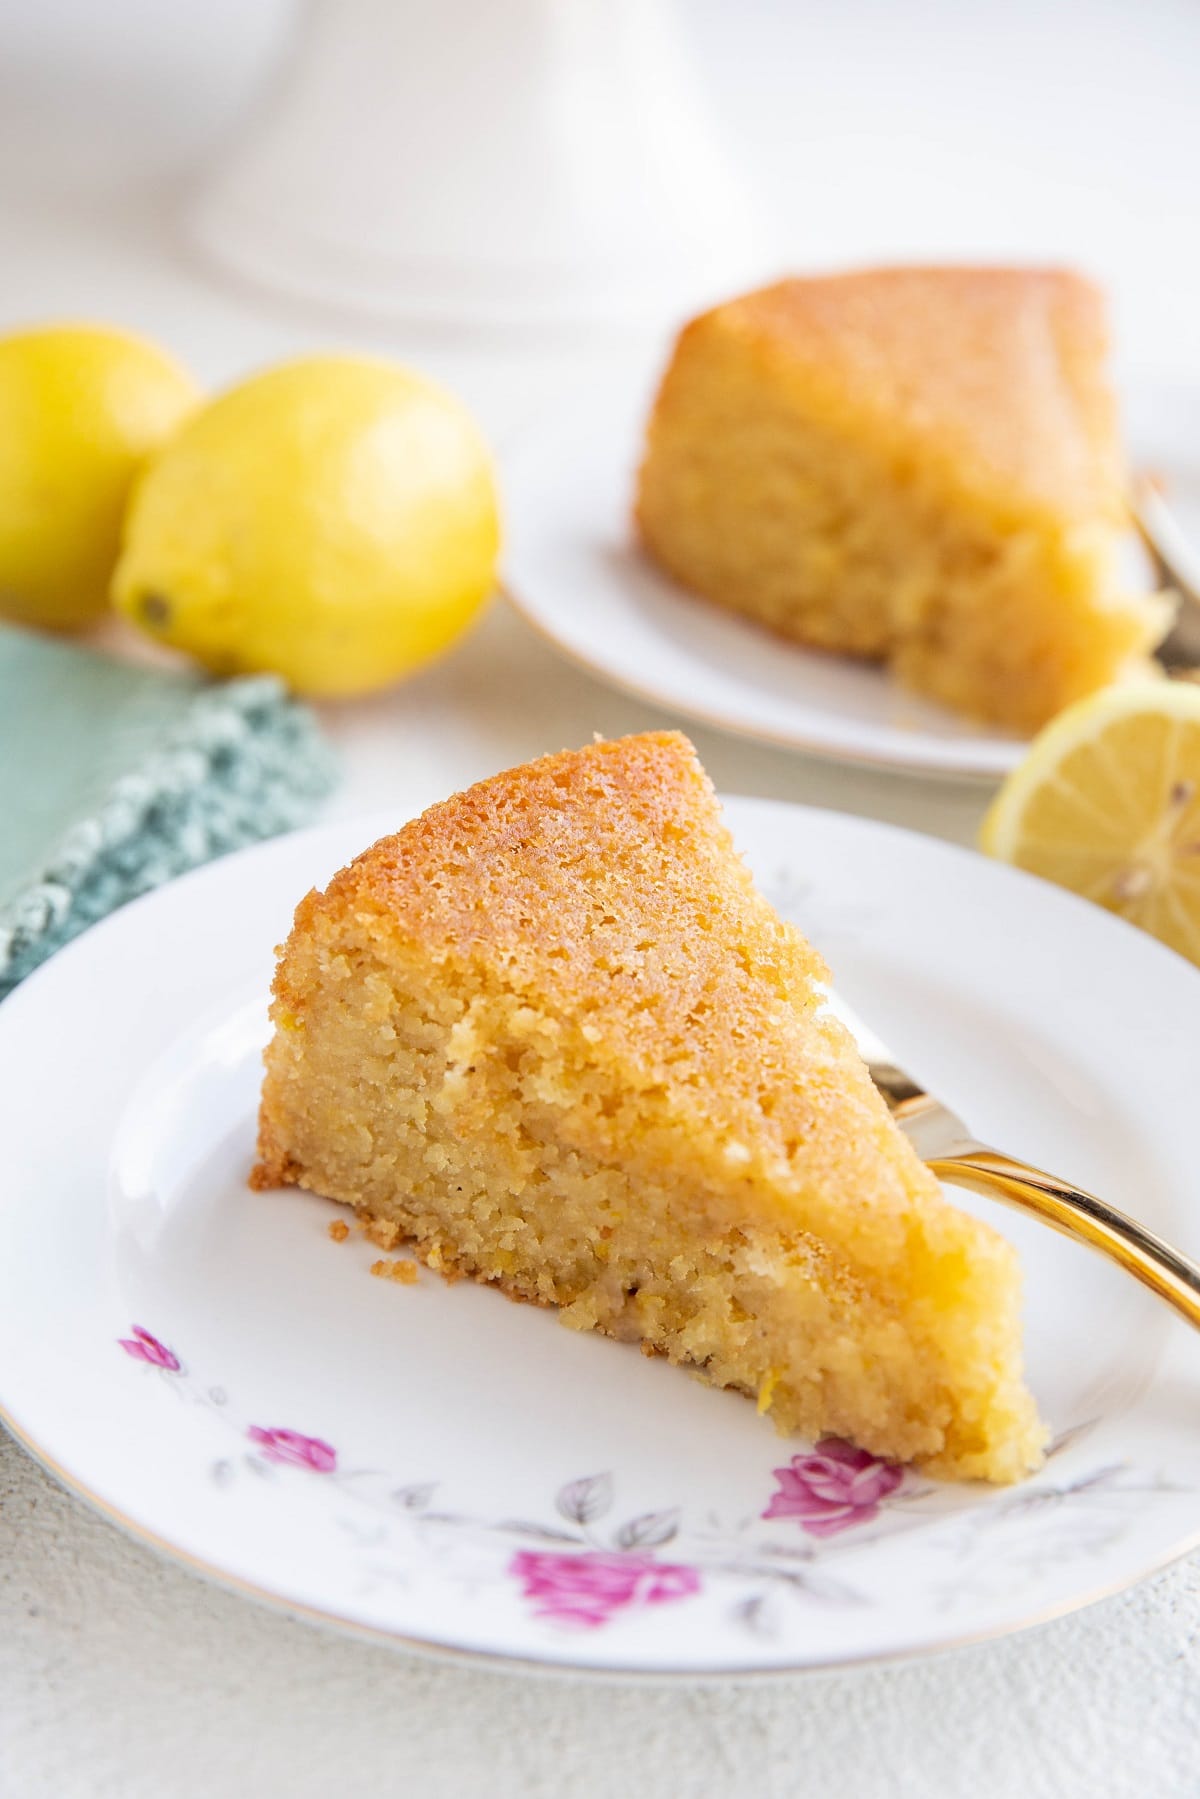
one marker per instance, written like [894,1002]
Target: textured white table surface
[124,1676]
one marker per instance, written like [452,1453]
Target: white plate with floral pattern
[435,1465]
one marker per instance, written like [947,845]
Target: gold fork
[943,1141]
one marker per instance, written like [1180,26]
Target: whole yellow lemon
[333,520]
[81,406]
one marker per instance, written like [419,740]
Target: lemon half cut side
[1107,803]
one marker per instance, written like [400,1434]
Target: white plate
[573,569]
[439,1466]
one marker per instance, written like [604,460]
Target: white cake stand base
[509,163]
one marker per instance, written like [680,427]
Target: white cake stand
[510,163]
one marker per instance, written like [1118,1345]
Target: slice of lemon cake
[551,1031]
[916,465]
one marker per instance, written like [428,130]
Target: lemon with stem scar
[334,521]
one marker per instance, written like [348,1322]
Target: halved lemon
[1107,803]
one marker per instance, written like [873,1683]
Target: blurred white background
[874,130]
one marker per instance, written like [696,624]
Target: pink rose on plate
[833,1488]
[584,1591]
[145,1348]
[292,1450]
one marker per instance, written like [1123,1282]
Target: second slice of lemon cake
[552,1031]
[916,465]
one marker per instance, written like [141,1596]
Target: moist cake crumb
[521,1035]
[382,1232]
[920,466]
[339,1230]
[404,1272]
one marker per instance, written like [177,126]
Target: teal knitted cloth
[114,778]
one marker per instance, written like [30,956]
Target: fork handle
[1076,1213]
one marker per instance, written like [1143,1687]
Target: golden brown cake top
[999,373]
[615,853]
[599,882]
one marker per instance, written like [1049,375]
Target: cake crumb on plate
[404,1272]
